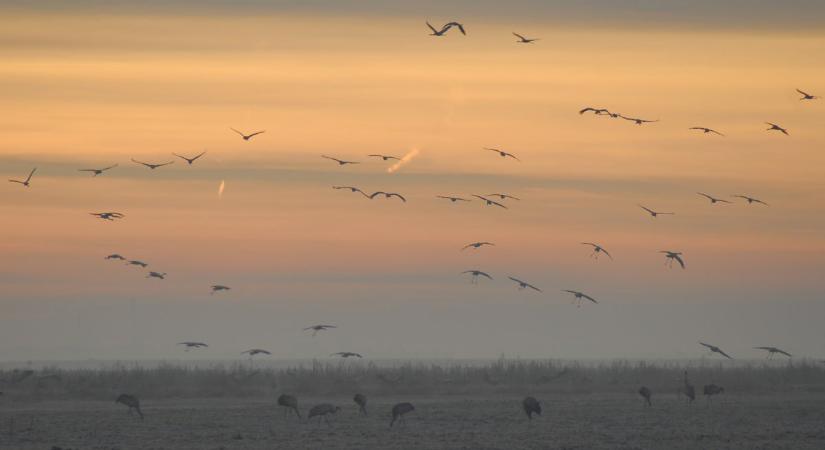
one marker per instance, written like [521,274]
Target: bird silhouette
[387,195]
[806,96]
[135,262]
[596,111]
[673,256]
[646,393]
[773,350]
[96,172]
[323,410]
[476,274]
[352,189]
[385,157]
[453,199]
[219,287]
[523,285]
[190,345]
[399,410]
[775,127]
[489,202]
[750,200]
[361,401]
[247,137]
[712,199]
[596,250]
[531,406]
[578,296]
[132,402]
[688,390]
[289,402]
[524,40]
[189,160]
[502,153]
[115,256]
[111,216]
[27,181]
[655,213]
[477,245]
[150,165]
[256,351]
[706,130]
[709,390]
[158,275]
[347,354]
[503,196]
[715,349]
[316,328]
[340,162]
[637,121]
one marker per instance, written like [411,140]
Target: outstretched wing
[399,196]
[519,36]
[590,298]
[431,27]
[256,133]
[679,259]
[139,162]
[719,350]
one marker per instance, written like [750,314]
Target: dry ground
[571,421]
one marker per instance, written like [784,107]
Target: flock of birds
[530,405]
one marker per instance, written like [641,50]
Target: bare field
[570,421]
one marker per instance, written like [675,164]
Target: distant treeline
[503,376]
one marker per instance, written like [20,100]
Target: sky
[91,84]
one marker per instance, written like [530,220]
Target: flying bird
[596,250]
[446,28]
[773,350]
[775,127]
[28,179]
[476,274]
[489,202]
[596,111]
[158,275]
[524,40]
[151,166]
[347,354]
[256,351]
[247,137]
[706,130]
[715,349]
[503,196]
[115,256]
[637,121]
[385,157]
[388,195]
[502,153]
[654,213]
[219,287]
[453,199]
[477,245]
[712,199]
[750,199]
[448,25]
[578,296]
[524,285]
[340,162]
[190,345]
[316,328]
[189,160]
[136,263]
[110,216]
[352,189]
[671,256]
[806,96]
[96,172]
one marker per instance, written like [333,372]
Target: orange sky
[85,90]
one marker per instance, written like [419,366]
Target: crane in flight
[385,157]
[115,256]
[158,275]
[152,166]
[502,153]
[578,296]
[340,162]
[524,285]
[503,196]
[706,130]
[524,40]
[219,287]
[671,256]
[750,199]
[135,262]
[347,354]
[256,351]
[476,245]
[453,199]
[189,160]
[596,111]
[489,202]
[475,274]
[247,137]
[109,215]
[96,172]
[446,28]
[655,213]
[806,96]
[773,350]
[387,195]
[27,181]
[352,189]
[190,345]
[637,121]
[775,127]
[316,328]
[713,200]
[715,349]
[596,250]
